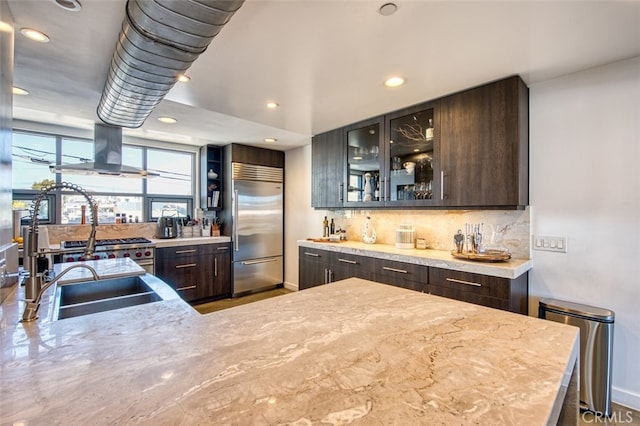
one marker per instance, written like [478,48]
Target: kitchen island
[352,351]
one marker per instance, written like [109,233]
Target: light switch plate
[549,243]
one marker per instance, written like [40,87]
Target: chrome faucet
[31,310]
[34,284]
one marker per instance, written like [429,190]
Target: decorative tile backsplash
[438,227]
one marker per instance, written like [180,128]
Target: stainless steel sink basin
[90,297]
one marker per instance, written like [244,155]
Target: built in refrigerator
[256,225]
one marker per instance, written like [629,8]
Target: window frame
[55,197]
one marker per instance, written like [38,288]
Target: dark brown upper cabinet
[484,150]
[412,173]
[327,163]
[365,160]
[466,150]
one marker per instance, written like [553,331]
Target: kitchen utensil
[167,226]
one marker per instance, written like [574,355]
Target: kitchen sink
[91,297]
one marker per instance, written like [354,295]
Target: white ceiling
[323,61]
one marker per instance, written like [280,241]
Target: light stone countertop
[511,269]
[105,268]
[187,241]
[349,352]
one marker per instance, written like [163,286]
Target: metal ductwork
[159,41]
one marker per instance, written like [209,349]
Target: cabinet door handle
[235,219]
[330,276]
[255,262]
[385,193]
[185,251]
[442,184]
[400,271]
[340,189]
[215,266]
[326,276]
[186,265]
[453,280]
[222,248]
[306,253]
[352,262]
[189,287]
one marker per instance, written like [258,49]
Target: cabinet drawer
[345,265]
[401,274]
[191,250]
[314,255]
[483,285]
[464,296]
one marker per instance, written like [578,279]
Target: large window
[115,196]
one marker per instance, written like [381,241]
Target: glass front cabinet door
[364,163]
[412,153]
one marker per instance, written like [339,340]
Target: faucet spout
[31,310]
[34,284]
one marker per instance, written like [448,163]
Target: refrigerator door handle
[254,262]
[236,244]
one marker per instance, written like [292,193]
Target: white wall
[585,185]
[301,221]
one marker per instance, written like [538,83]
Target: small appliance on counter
[405,237]
[167,227]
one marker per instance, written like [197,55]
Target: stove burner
[107,242]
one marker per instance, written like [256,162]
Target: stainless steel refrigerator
[256,219]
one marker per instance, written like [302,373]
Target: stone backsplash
[59,233]
[438,227]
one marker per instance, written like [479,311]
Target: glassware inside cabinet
[363,153]
[411,156]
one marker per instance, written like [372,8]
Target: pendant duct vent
[159,41]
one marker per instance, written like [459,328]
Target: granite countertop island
[350,352]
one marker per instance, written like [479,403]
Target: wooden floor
[221,304]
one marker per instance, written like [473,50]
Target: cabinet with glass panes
[412,154]
[392,159]
[365,163]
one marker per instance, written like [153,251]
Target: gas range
[138,249]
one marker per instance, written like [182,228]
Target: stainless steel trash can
[596,348]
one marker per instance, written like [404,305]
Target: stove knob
[96,257]
[81,259]
[147,253]
[127,254]
[138,254]
[70,259]
[112,256]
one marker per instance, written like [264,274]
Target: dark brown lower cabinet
[494,292]
[317,267]
[400,274]
[196,272]
[313,267]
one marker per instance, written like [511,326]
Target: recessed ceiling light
[270,139]
[5,27]
[70,5]
[34,35]
[388,9]
[183,78]
[416,150]
[167,120]
[394,82]
[272,105]
[20,91]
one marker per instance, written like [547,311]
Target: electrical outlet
[549,243]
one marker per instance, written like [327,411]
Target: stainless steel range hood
[107,157]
